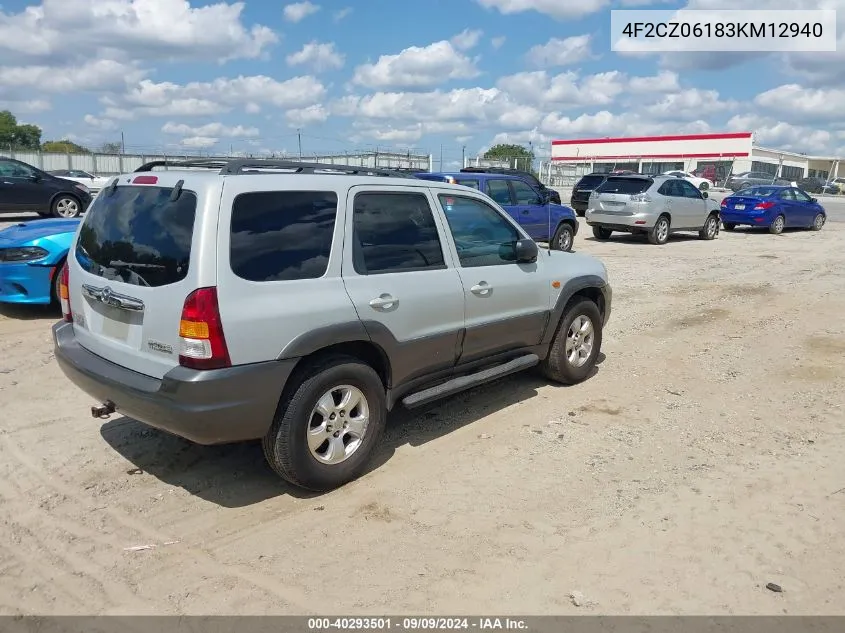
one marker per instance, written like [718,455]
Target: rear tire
[728,226]
[66,206]
[710,230]
[564,238]
[659,233]
[818,222]
[286,445]
[777,225]
[601,233]
[572,355]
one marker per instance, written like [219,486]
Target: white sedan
[701,184]
[94,183]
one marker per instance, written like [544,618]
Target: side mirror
[526,251]
[814,199]
[34,177]
[545,196]
[705,195]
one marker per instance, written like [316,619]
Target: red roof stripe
[651,139]
[630,157]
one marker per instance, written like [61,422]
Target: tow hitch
[103,411]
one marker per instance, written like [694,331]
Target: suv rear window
[137,235]
[589,182]
[282,235]
[625,185]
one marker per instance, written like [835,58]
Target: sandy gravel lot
[702,461]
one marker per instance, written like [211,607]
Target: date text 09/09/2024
[416,624]
[687,30]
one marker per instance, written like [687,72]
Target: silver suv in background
[257,299]
[655,206]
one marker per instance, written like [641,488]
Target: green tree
[17,136]
[518,155]
[111,148]
[64,147]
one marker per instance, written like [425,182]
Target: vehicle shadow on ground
[24,312]
[629,238]
[236,475]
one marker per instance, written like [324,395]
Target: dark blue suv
[540,218]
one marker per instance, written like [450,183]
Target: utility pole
[122,143]
[441,157]
[463,156]
[299,141]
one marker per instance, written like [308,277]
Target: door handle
[482,288]
[526,211]
[384,302]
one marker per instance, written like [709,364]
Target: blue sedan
[775,207]
[31,256]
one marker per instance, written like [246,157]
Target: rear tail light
[201,341]
[640,197]
[64,293]
[724,203]
[764,205]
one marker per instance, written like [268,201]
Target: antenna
[549,203]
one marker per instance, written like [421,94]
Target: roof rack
[263,165]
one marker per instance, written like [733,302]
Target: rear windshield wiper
[120,264]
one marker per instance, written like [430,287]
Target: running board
[472,380]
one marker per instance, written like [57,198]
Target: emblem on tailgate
[156,346]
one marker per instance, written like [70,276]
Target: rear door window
[625,185]
[524,193]
[139,236]
[282,235]
[499,191]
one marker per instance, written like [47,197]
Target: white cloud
[199,142]
[210,129]
[99,123]
[770,132]
[498,42]
[130,30]
[605,123]
[416,67]
[300,117]
[317,57]
[554,8]
[343,13]
[466,39]
[806,104]
[561,52]
[299,11]
[91,75]
[690,103]
[29,106]
[663,81]
[566,89]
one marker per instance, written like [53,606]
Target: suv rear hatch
[133,263]
[615,195]
[584,187]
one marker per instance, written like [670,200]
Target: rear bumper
[25,283]
[635,222]
[753,219]
[207,407]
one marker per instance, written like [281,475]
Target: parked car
[775,207]
[582,190]
[553,195]
[299,307]
[544,221]
[27,188]
[700,183]
[815,184]
[839,183]
[655,206]
[748,178]
[94,183]
[709,173]
[31,254]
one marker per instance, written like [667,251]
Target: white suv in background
[298,303]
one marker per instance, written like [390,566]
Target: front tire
[576,344]
[710,230]
[777,225]
[66,206]
[818,222]
[659,233]
[326,430]
[564,238]
[601,233]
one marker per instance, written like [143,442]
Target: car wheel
[576,344]
[66,207]
[777,225]
[601,233]
[55,297]
[564,237]
[818,221]
[326,429]
[659,233]
[704,186]
[728,226]
[710,230]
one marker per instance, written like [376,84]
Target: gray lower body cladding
[207,407]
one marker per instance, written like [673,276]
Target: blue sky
[209,76]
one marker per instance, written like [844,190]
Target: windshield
[625,185]
[137,235]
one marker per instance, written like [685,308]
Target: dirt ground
[702,461]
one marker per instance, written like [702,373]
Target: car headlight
[82,187]
[22,254]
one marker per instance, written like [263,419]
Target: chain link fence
[111,164]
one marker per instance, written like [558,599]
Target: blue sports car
[775,207]
[31,256]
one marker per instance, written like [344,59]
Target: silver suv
[299,303]
[652,205]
